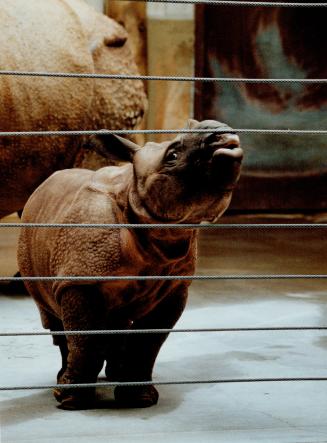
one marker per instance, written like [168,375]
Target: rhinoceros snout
[227,145]
[227,158]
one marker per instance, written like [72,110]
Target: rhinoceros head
[189,179]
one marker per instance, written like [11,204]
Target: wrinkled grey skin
[187,180]
[58,36]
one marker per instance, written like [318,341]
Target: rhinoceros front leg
[141,350]
[81,309]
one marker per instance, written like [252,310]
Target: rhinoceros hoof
[74,399]
[136,396]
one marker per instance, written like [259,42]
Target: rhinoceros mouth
[235,154]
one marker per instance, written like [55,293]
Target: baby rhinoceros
[187,180]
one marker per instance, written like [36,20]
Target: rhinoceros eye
[171,156]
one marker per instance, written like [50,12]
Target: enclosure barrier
[160,77]
[241,3]
[168,277]
[164,131]
[159,383]
[166,331]
[171,226]
[160,331]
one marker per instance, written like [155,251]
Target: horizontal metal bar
[161,331]
[168,225]
[102,278]
[160,383]
[163,131]
[90,75]
[240,3]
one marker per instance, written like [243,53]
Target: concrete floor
[247,412]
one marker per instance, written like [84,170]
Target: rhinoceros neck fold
[138,213]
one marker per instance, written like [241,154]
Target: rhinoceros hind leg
[14,287]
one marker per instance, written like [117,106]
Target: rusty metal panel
[280,171]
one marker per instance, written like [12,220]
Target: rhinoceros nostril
[230,141]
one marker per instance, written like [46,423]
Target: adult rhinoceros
[66,36]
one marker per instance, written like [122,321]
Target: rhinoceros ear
[191,123]
[109,145]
